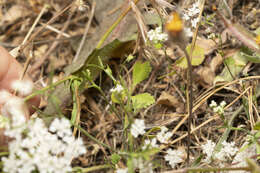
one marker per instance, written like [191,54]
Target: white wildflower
[117,89]
[23,87]
[227,151]
[81,5]
[223,104]
[163,136]
[188,32]
[174,157]
[208,149]
[213,104]
[156,35]
[150,144]
[218,109]
[37,148]
[142,165]
[194,22]
[122,170]
[192,14]
[240,158]
[138,128]
[212,36]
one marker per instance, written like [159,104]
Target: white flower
[188,32]
[240,158]
[23,87]
[117,89]
[122,170]
[163,136]
[228,150]
[223,104]
[61,127]
[138,128]
[213,104]
[36,148]
[208,149]
[174,157]
[194,22]
[156,35]
[142,165]
[212,36]
[194,10]
[218,109]
[150,144]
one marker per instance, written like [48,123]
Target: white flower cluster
[208,149]
[218,109]
[164,136]
[125,170]
[191,14]
[227,151]
[36,148]
[174,157]
[156,35]
[138,128]
[150,144]
[142,165]
[117,89]
[23,87]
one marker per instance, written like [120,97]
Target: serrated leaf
[141,71]
[198,56]
[235,64]
[142,101]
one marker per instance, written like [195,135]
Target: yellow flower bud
[174,25]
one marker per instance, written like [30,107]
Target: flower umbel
[174,157]
[156,35]
[138,128]
[37,148]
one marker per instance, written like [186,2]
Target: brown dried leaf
[207,44]
[169,100]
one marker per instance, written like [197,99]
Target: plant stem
[189,101]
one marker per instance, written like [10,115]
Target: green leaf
[115,158]
[257,126]
[235,64]
[140,72]
[118,97]
[252,58]
[142,100]
[198,56]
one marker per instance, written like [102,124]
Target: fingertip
[5,59]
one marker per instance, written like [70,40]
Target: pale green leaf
[235,64]
[198,56]
[141,71]
[142,101]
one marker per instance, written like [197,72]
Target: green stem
[38,92]
[90,169]
[217,169]
[93,138]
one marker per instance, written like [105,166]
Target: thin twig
[38,64]
[15,52]
[85,32]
